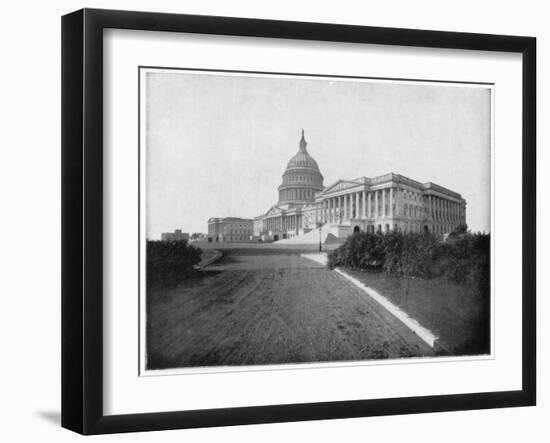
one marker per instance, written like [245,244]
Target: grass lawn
[458,314]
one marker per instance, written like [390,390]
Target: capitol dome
[301,179]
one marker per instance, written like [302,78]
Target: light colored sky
[217,145]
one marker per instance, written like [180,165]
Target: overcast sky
[217,145]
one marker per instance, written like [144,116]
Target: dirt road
[256,307]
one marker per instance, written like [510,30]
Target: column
[369,208]
[357,205]
[375,204]
[345,205]
[397,198]
[364,207]
[383,202]
[391,203]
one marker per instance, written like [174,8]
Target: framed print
[269,221]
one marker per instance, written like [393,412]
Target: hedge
[462,258]
[170,262]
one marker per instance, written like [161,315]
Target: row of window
[236,237]
[410,228]
[411,210]
[239,231]
[300,178]
[411,195]
[300,194]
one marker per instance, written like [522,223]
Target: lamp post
[320,227]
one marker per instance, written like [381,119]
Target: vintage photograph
[298,219]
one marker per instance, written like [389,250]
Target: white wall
[30,218]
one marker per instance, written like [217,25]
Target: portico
[391,202]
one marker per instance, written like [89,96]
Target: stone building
[391,202]
[177,235]
[229,229]
[302,181]
[378,204]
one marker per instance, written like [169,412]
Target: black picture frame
[82,218]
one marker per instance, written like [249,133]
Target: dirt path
[267,309]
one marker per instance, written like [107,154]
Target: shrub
[361,250]
[463,258]
[170,262]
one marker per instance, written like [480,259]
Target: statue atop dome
[303,143]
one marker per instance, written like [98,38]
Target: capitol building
[376,204]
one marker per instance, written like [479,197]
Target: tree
[461,229]
[409,261]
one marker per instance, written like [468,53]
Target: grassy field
[457,314]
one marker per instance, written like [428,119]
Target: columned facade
[392,202]
[378,204]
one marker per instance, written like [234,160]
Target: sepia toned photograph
[293,219]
